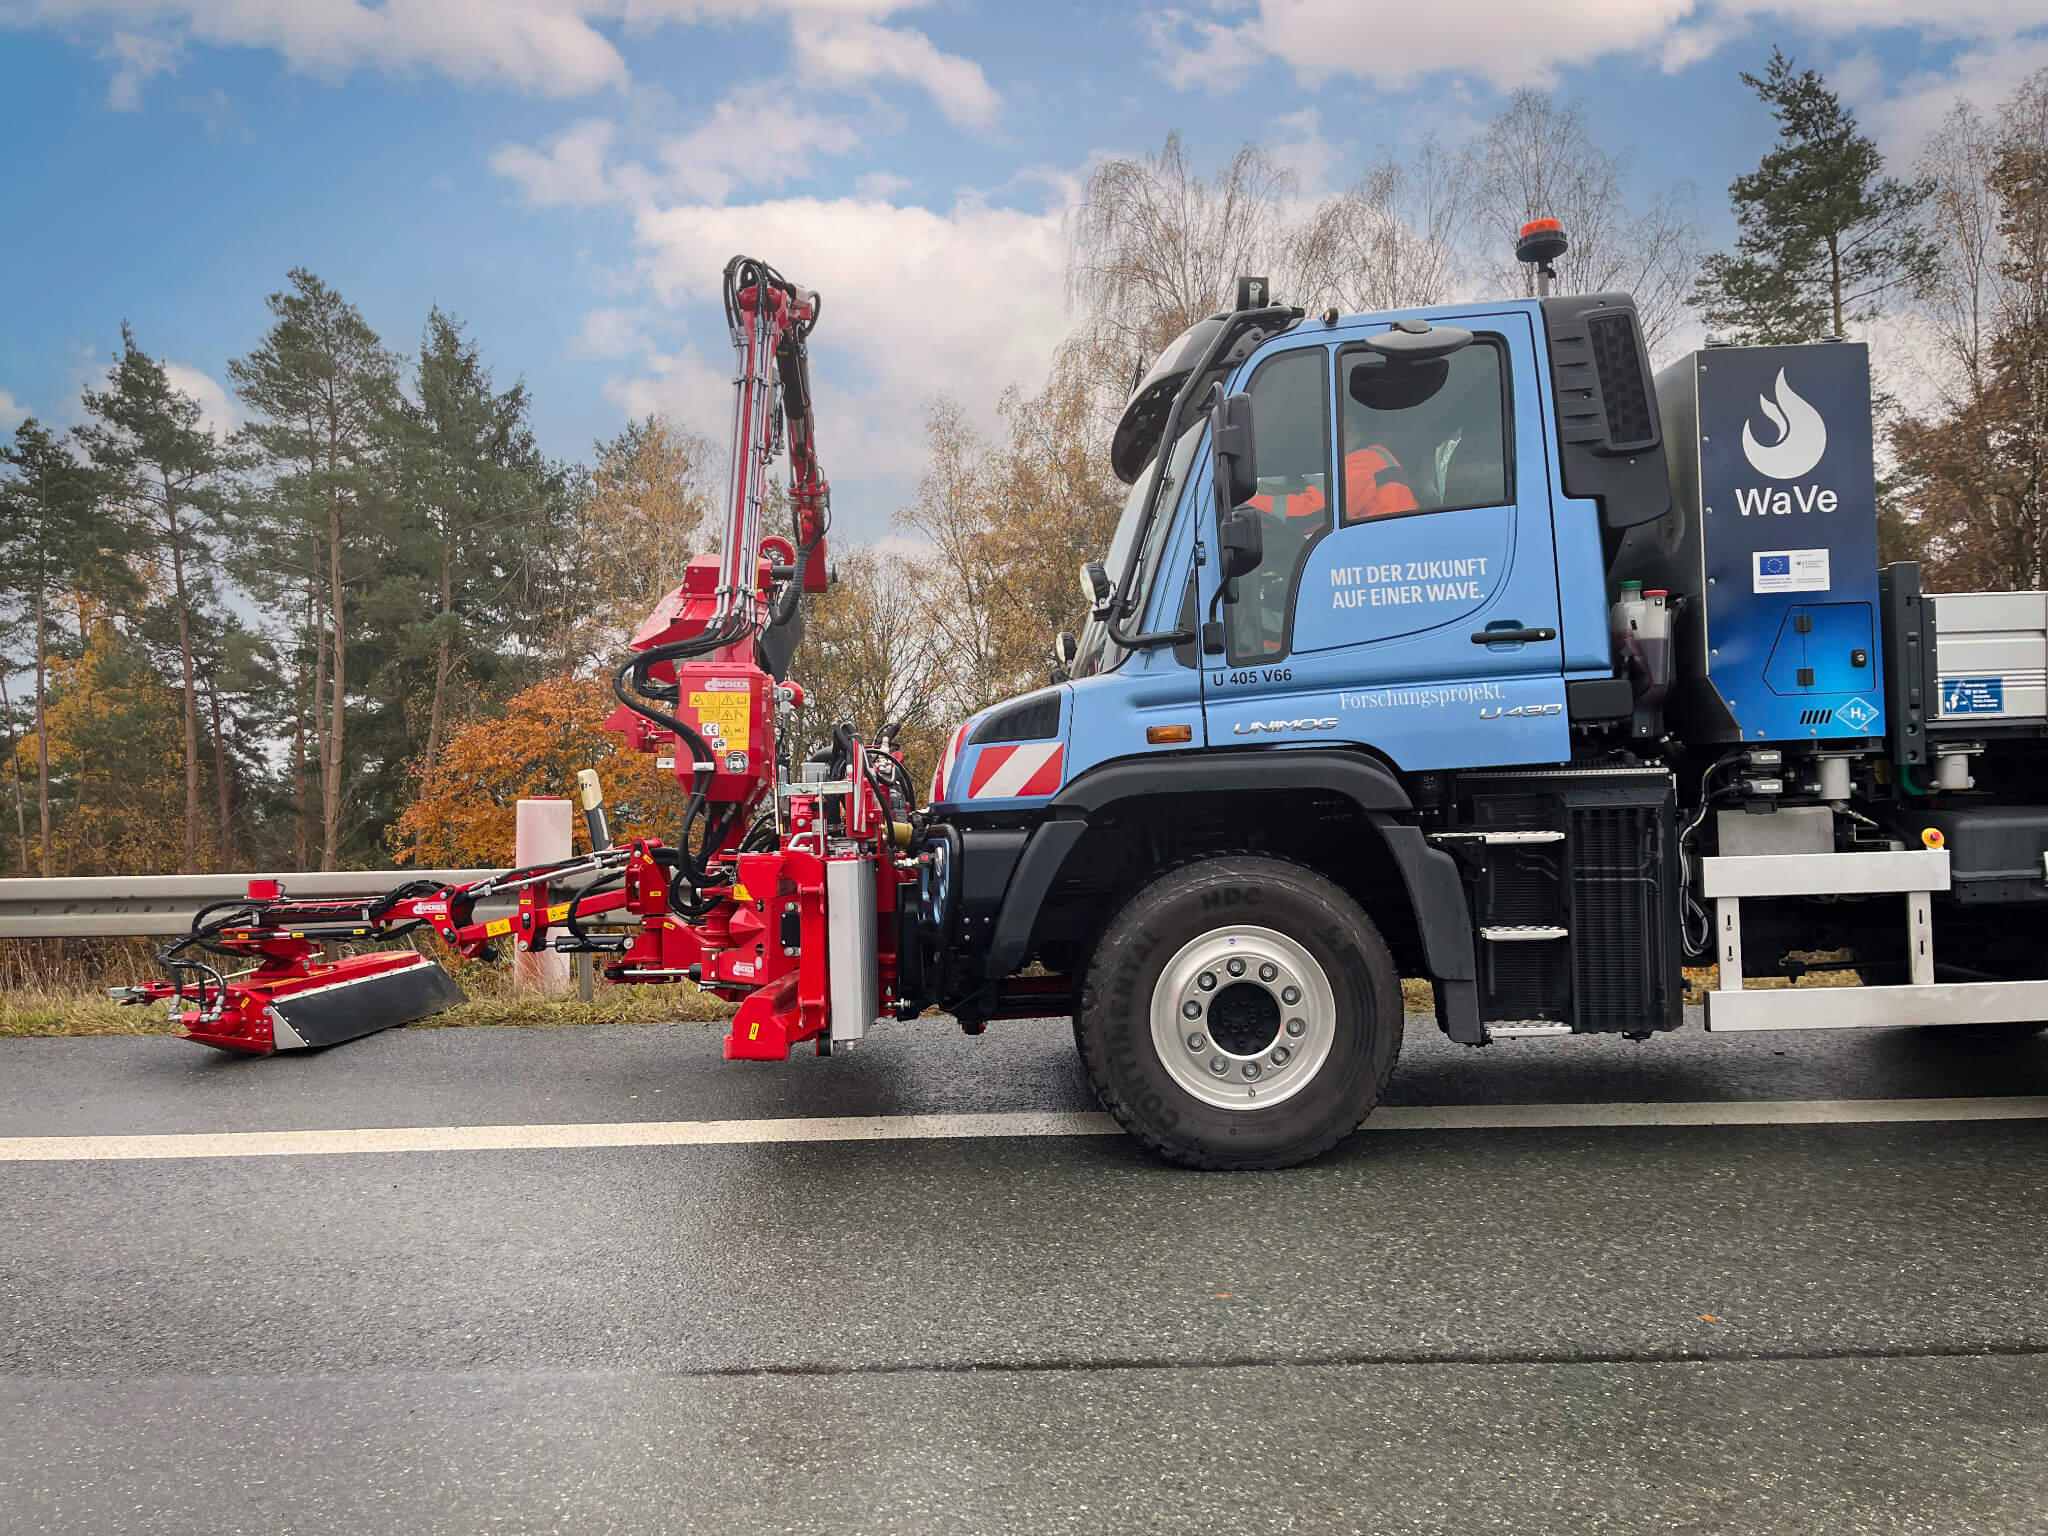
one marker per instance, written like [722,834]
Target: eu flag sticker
[1789,570]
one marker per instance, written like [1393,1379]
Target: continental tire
[1240,1012]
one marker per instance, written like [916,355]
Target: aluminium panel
[1973,1002]
[1824,874]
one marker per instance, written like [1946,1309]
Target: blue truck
[1456,644]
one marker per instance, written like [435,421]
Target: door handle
[1512,636]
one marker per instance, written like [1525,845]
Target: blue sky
[568,176]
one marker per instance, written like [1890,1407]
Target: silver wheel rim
[1213,1003]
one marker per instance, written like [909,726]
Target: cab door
[1406,598]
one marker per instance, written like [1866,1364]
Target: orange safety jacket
[1374,486]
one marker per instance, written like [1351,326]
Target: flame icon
[1802,435]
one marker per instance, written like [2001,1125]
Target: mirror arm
[1280,315]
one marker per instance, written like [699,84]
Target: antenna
[1541,242]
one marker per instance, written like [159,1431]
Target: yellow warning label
[559,914]
[723,719]
[496,926]
[740,893]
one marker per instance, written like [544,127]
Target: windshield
[1095,653]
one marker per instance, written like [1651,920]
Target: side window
[1423,436]
[1291,416]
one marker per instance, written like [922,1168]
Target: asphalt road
[1798,1328]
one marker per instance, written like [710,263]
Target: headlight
[935,881]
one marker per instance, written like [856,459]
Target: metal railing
[153,906]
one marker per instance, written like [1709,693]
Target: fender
[1430,876]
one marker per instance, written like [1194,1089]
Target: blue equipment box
[1772,544]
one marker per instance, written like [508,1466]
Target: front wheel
[1240,1012]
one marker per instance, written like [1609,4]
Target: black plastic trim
[1036,870]
[1626,477]
[1035,717]
[1600,698]
[1357,777]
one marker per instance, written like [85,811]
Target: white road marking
[702,1133]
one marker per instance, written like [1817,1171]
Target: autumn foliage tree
[117,761]
[1009,523]
[464,811]
[1974,472]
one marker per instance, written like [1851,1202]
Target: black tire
[1115,1032]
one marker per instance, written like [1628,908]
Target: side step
[1523,933]
[1526,1029]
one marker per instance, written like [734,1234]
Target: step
[1498,839]
[1522,933]
[1525,1029]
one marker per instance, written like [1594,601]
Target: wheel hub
[1243,1017]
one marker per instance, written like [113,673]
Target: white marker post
[541,836]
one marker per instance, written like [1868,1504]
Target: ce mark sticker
[1525,711]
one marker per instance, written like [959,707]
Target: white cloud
[1902,115]
[848,54]
[1511,43]
[12,413]
[543,47]
[879,186]
[548,47]
[219,412]
[917,302]
[571,173]
[136,58]
[1303,150]
[756,135]
[610,333]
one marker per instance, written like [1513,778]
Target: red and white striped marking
[1029,768]
[943,774]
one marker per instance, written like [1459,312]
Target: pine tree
[55,535]
[322,390]
[1826,237]
[162,468]
[469,488]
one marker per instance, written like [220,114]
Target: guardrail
[153,906]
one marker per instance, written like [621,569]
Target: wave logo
[1802,435]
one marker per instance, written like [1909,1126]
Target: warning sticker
[723,719]
[1790,570]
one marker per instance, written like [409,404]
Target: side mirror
[1230,447]
[1242,545]
[1095,586]
[1417,341]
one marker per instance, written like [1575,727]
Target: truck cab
[1441,644]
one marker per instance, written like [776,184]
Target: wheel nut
[1236,967]
[1268,972]
[1191,1009]
[1198,1042]
[1219,1066]
[1296,1028]
[1290,995]
[1281,1056]
[1206,981]
[1251,1071]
